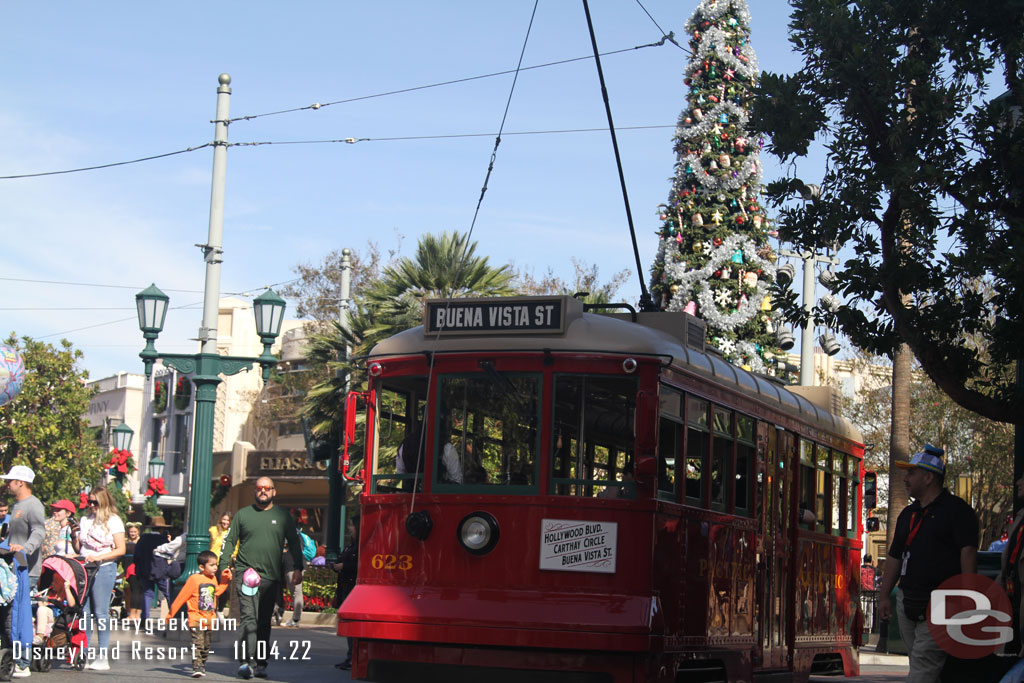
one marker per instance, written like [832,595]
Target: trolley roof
[559,324]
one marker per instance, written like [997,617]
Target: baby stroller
[66,635]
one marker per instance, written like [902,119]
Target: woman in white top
[102,541]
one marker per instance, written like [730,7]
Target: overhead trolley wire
[670,36]
[320,105]
[402,138]
[100,166]
[666,37]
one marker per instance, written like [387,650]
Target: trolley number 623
[391,562]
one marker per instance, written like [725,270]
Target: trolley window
[697,443]
[852,481]
[670,441]
[744,463]
[398,462]
[807,483]
[594,436]
[488,433]
[837,490]
[721,457]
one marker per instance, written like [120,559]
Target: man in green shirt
[260,531]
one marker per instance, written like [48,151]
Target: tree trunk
[899,436]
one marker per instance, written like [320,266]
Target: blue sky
[88,84]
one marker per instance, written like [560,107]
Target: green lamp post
[208,365]
[205,369]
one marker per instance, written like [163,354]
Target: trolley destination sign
[494,316]
[578,546]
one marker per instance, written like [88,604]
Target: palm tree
[444,266]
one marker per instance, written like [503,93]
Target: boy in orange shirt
[200,592]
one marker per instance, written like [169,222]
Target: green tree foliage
[923,181]
[976,447]
[43,427]
[585,279]
[713,257]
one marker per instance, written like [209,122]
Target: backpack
[8,584]
[308,547]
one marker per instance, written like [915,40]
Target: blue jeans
[97,607]
[26,645]
[149,589]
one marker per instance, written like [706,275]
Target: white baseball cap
[21,473]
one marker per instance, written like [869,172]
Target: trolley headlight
[478,533]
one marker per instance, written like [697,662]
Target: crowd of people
[256,555]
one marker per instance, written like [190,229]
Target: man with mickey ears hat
[260,531]
[936,538]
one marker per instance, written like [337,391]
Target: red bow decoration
[156,487]
[83,501]
[118,460]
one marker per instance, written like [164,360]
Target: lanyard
[1016,544]
[914,528]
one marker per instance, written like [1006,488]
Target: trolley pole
[336,497]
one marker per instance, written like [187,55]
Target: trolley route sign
[494,316]
[570,545]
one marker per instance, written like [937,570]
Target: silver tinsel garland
[721,257]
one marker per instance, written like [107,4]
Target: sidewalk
[868,655]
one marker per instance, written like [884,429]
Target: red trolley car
[555,494]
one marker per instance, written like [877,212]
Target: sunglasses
[93,501]
[264,488]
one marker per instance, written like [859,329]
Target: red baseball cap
[64,504]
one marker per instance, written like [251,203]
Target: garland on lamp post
[120,465]
[223,486]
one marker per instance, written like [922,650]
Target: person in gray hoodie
[28,520]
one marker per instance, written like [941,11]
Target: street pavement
[304,655]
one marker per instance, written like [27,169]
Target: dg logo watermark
[969,616]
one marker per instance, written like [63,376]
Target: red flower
[156,487]
[118,461]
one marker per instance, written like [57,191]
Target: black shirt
[944,527]
[143,554]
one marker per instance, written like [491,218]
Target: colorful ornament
[737,256]
[697,219]
[716,217]
[690,308]
[724,161]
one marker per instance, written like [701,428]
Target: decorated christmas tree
[713,258]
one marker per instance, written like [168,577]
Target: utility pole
[336,499]
[809,298]
[208,365]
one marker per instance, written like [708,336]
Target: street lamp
[123,437]
[208,365]
[156,467]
